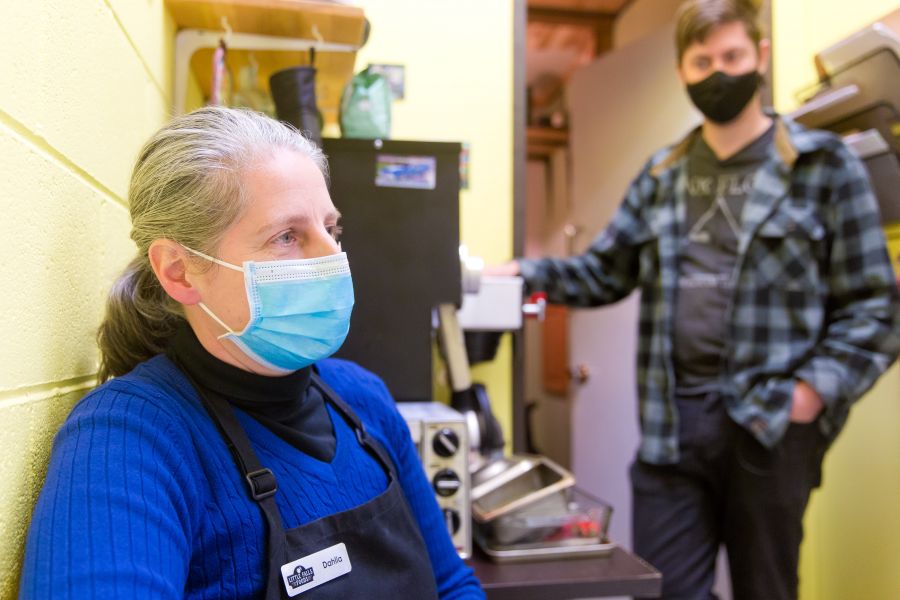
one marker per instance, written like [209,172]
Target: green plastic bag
[366,107]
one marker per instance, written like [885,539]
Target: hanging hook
[226,38]
[312,49]
[317,34]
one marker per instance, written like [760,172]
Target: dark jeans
[727,489]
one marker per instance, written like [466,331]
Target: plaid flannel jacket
[815,296]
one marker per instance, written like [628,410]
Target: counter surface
[619,574]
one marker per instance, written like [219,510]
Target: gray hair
[186,186]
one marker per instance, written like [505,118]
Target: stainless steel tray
[522,536]
[582,548]
[518,482]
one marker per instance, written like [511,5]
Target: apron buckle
[262,483]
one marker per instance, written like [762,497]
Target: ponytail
[140,319]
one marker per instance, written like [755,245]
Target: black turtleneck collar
[288,405]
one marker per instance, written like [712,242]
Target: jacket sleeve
[608,271]
[112,520]
[862,336]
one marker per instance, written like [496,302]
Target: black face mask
[722,97]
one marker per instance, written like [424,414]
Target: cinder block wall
[82,85]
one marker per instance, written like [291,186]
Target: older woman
[227,459]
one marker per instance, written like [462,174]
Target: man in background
[768,306]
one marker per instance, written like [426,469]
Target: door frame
[520,23]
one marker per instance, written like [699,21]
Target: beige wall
[641,17]
[84,83]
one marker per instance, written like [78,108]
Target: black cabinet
[400,207]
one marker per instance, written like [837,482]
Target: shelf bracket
[188,41]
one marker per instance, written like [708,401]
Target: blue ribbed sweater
[142,498]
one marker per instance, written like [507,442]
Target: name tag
[312,571]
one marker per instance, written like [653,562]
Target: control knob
[446,482]
[451,518]
[446,442]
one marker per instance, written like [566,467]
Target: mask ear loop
[203,306]
[217,320]
[213,259]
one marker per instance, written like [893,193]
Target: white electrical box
[497,306]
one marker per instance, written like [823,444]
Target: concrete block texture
[84,85]
[37,414]
[65,240]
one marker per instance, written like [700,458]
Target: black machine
[399,202]
[403,246]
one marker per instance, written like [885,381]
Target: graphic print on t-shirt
[715,196]
[728,192]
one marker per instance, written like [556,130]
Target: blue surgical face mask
[299,310]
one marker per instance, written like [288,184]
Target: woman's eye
[336,231]
[285,238]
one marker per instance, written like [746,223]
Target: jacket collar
[787,136]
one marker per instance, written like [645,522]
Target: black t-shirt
[715,196]
[288,406]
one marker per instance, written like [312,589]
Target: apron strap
[260,480]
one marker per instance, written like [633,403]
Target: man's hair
[697,18]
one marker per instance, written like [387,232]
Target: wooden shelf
[298,19]
[543,141]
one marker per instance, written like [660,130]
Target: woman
[224,460]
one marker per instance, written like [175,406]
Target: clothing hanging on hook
[218,73]
[216,96]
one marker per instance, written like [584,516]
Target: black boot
[294,93]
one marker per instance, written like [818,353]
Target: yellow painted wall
[800,28]
[459,88]
[852,550]
[84,84]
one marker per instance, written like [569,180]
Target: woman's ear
[169,261]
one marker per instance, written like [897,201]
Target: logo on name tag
[312,571]
[301,576]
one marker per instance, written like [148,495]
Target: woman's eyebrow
[296,220]
[283,222]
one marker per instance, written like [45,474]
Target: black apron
[373,551]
